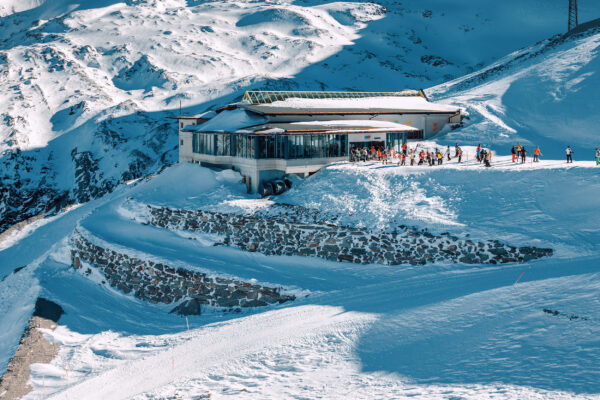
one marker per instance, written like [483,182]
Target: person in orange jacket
[536,154]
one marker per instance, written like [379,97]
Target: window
[203,143]
[223,142]
[415,135]
[181,142]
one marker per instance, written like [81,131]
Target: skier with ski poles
[569,154]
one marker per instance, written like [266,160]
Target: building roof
[270,96]
[205,116]
[229,121]
[317,127]
[365,105]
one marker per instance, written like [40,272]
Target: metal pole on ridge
[573,18]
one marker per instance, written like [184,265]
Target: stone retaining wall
[160,283]
[280,236]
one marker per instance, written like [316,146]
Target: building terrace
[272,134]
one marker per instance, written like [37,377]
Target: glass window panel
[271,146]
[262,146]
[306,145]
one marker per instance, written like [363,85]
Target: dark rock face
[48,310]
[285,234]
[159,283]
[88,178]
[188,307]
[28,179]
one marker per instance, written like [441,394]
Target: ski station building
[271,134]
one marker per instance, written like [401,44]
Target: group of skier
[414,156]
[519,153]
[569,152]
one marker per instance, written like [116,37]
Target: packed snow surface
[364,330]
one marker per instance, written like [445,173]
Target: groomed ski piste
[355,331]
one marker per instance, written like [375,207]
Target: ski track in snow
[364,331]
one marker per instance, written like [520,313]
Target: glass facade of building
[270,146]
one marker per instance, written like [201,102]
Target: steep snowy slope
[545,95]
[85,86]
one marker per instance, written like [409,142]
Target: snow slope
[365,330]
[545,94]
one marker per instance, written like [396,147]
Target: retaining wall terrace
[289,236]
[160,283]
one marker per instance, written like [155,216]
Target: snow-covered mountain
[85,87]
[545,94]
[85,92]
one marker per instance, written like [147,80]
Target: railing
[269,96]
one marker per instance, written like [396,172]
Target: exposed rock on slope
[34,348]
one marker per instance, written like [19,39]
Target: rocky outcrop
[289,236]
[159,283]
[33,349]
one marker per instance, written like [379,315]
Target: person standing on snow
[459,154]
[456,148]
[518,148]
[569,154]
[514,153]
[597,157]
[536,154]
[523,155]
[448,153]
